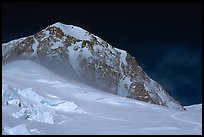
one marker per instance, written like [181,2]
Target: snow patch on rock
[73,31]
[123,86]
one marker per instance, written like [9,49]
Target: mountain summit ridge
[74,52]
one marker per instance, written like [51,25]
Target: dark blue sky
[165,38]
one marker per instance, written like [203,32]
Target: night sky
[165,38]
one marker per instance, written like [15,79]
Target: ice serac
[74,52]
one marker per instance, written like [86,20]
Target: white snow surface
[196,107]
[48,104]
[17,130]
[73,31]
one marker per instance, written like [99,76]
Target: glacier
[37,101]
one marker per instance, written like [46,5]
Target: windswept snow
[73,56]
[196,107]
[122,87]
[37,101]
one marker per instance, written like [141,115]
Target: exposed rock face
[73,52]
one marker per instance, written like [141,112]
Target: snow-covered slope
[74,52]
[73,31]
[196,107]
[37,101]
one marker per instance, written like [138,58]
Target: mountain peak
[62,25]
[74,52]
[58,23]
[72,30]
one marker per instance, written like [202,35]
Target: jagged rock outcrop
[74,52]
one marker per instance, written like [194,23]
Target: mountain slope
[37,101]
[196,107]
[71,51]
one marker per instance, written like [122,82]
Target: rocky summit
[75,53]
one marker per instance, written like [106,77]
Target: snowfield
[37,101]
